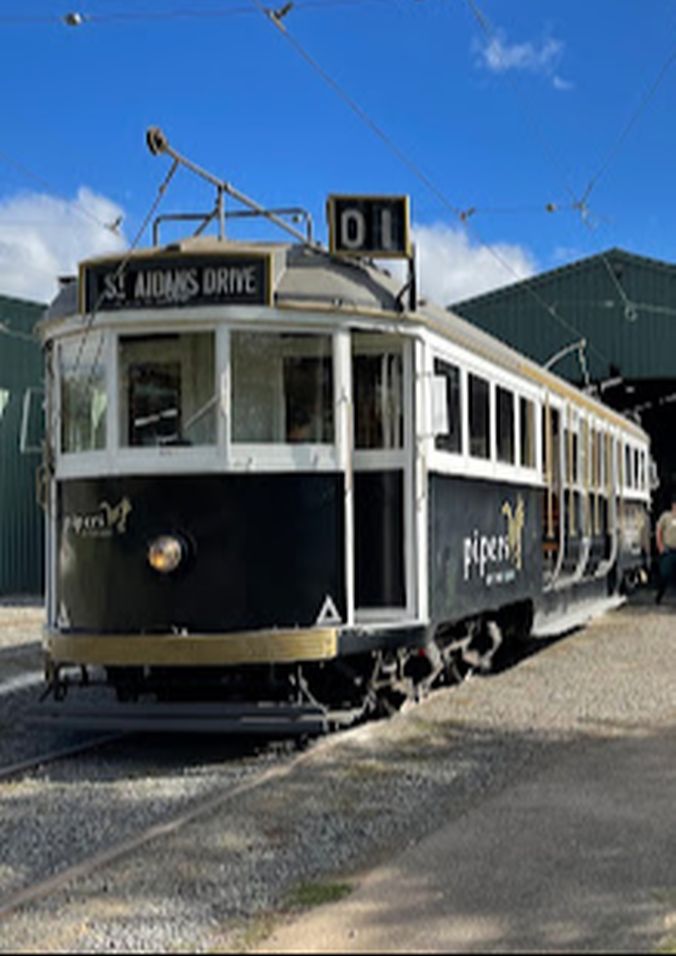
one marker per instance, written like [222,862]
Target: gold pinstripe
[255,647]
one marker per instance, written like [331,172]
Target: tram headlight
[165,553]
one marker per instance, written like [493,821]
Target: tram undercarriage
[285,699]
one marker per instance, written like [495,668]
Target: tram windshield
[282,387]
[167,389]
[83,395]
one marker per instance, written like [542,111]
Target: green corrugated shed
[21,520]
[624,305]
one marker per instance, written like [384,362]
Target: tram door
[382,389]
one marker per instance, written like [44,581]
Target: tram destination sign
[374,226]
[175,281]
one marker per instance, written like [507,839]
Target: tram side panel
[485,546]
[261,551]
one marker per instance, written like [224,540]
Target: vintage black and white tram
[282,491]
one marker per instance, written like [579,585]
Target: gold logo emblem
[516,519]
[108,520]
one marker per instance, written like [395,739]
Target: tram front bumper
[192,650]
[289,646]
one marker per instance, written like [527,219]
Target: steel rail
[42,888]
[32,763]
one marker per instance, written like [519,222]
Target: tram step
[244,718]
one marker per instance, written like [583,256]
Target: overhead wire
[492,34]
[633,119]
[77,19]
[91,317]
[45,184]
[276,19]
[580,204]
[125,259]
[631,308]
[361,113]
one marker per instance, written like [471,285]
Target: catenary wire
[633,119]
[491,33]
[580,205]
[74,19]
[40,180]
[459,213]
[120,269]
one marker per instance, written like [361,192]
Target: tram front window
[83,395]
[167,390]
[282,388]
[377,383]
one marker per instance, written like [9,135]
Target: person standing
[665,539]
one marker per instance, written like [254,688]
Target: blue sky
[503,106]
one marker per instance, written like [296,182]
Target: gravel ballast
[351,801]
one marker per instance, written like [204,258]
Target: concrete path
[579,857]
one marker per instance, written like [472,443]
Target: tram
[283,493]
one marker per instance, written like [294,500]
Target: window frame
[223,455]
[95,456]
[460,417]
[462,463]
[186,366]
[501,390]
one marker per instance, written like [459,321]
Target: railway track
[20,767]
[43,887]
[82,861]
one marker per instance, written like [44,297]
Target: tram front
[231,501]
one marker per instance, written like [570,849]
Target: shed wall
[21,520]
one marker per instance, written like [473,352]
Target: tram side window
[620,463]
[282,388]
[452,439]
[505,425]
[527,421]
[479,417]
[575,459]
[167,390]
[83,395]
[378,394]
[628,480]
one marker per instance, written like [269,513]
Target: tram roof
[307,278]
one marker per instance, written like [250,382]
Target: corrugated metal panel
[21,522]
[624,305]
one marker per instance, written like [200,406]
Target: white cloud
[450,268]
[560,84]
[499,56]
[43,237]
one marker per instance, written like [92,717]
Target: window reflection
[527,418]
[282,388]
[83,395]
[479,417]
[505,425]
[452,439]
[167,392]
[378,394]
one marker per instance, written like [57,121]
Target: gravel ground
[353,800]
[21,682]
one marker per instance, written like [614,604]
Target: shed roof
[623,304]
